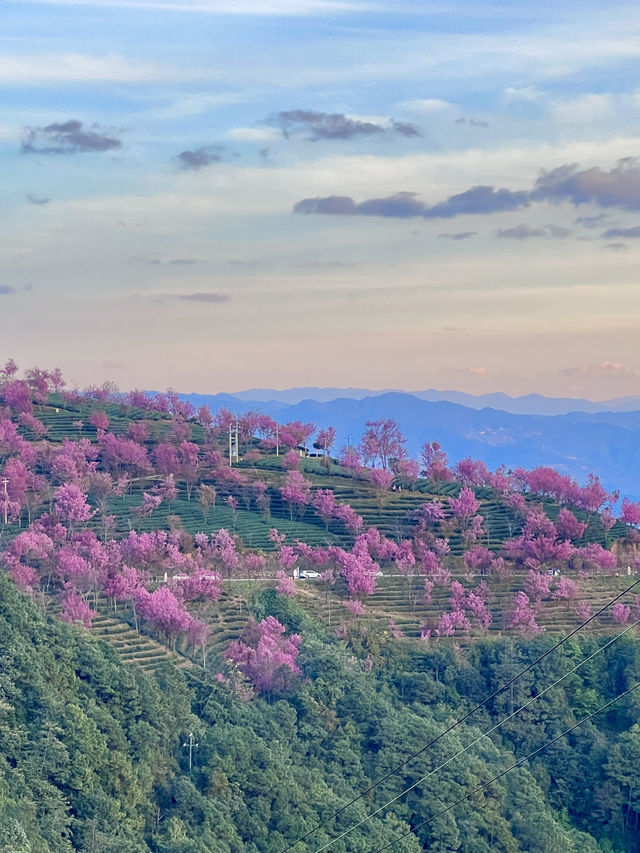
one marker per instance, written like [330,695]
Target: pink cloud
[604,368]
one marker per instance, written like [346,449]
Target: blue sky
[218,194]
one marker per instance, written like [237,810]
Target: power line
[461,720]
[478,739]
[508,769]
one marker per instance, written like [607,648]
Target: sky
[223,194]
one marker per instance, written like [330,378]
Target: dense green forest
[93,756]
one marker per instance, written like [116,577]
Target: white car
[305,574]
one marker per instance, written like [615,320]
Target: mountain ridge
[524,404]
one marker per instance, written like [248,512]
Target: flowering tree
[296,491]
[266,656]
[163,610]
[71,504]
[206,498]
[450,621]
[285,585]
[223,547]
[349,517]
[380,479]
[583,610]
[148,505]
[126,585]
[630,512]
[478,560]
[537,586]
[465,506]
[381,441]
[435,465]
[568,526]
[291,460]
[165,458]
[596,558]
[325,440]
[198,634]
[138,431]
[254,564]
[566,588]
[358,568]
[203,584]
[352,461]
[607,519]
[99,420]
[189,465]
[620,613]
[295,434]
[325,505]
[76,610]
[122,453]
[467,603]
[356,608]
[523,616]
[471,472]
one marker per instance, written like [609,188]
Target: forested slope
[92,755]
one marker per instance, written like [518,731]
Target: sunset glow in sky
[222,194]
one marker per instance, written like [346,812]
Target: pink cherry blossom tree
[75,609]
[296,491]
[566,588]
[381,480]
[351,460]
[382,440]
[325,440]
[266,656]
[285,585]
[522,615]
[71,505]
[620,613]
[99,420]
[163,610]
[435,465]
[568,526]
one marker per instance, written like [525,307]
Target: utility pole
[277,442]
[5,480]
[191,746]
[234,454]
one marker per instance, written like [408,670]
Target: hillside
[298,613]
[149,482]
[95,754]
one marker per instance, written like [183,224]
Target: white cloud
[523,93]
[76,68]
[586,108]
[226,7]
[253,134]
[191,105]
[426,105]
[8,133]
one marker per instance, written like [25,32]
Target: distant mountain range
[529,404]
[575,442]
